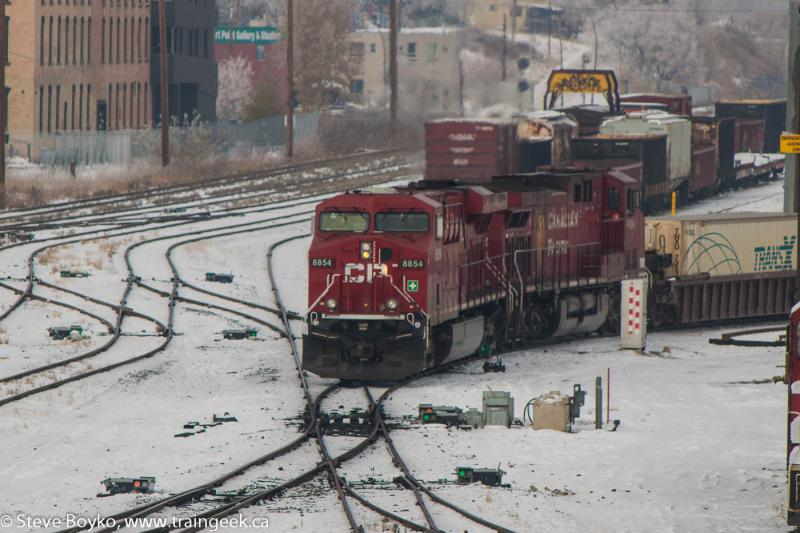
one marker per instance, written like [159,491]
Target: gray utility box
[498,408]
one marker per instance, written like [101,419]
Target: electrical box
[439,414]
[239,334]
[127,485]
[492,477]
[498,408]
[551,411]
[633,319]
[219,278]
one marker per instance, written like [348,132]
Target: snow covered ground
[700,446]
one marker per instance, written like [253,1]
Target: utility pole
[394,97]
[514,8]
[505,47]
[162,29]
[792,181]
[3,109]
[290,78]
[549,27]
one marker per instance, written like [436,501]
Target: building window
[89,106]
[72,106]
[146,48]
[133,40]
[80,108]
[431,52]
[58,51]
[83,39]
[41,109]
[146,99]
[261,53]
[50,44]
[89,41]
[125,41]
[102,41]
[75,40]
[41,44]
[206,39]
[110,42]
[66,40]
[139,40]
[138,104]
[356,50]
[49,108]
[412,51]
[117,40]
[373,48]
[109,110]
[356,86]
[133,100]
[58,105]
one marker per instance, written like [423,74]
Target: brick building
[76,65]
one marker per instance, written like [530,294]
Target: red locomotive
[793,423]
[402,280]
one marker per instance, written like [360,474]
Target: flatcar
[793,417]
[406,279]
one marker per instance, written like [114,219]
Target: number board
[412,263]
[322,263]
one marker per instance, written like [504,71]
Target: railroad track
[249,187]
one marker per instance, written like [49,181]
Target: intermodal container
[470,150]
[719,245]
[679,139]
[676,104]
[721,134]
[749,135]
[772,112]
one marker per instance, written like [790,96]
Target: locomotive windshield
[342,221]
[402,222]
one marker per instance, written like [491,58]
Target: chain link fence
[196,139]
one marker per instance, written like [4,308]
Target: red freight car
[675,104]
[719,133]
[749,135]
[413,278]
[470,149]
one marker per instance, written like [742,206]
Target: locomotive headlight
[331,303]
[391,304]
[366,250]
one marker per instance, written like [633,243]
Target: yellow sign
[790,143]
[588,81]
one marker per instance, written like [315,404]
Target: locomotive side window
[519,219]
[341,221]
[632,199]
[402,222]
[613,199]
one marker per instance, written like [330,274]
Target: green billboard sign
[247,34]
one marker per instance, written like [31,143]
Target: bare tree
[323,59]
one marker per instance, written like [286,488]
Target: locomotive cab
[368,285]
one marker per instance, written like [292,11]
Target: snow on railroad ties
[765,198]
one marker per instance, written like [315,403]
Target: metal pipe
[598,405]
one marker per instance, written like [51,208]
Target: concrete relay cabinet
[498,408]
